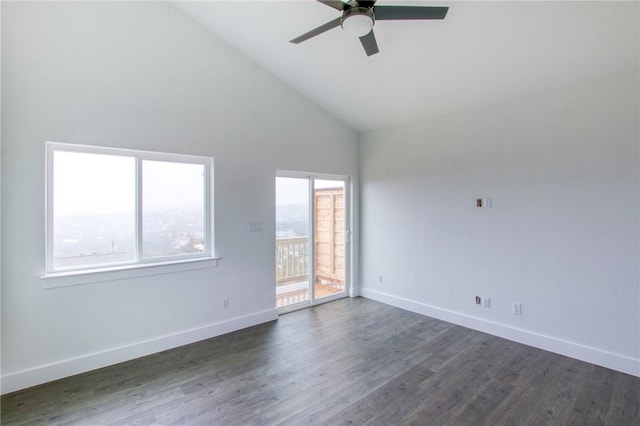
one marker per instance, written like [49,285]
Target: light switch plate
[255,226]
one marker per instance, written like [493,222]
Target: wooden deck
[290,294]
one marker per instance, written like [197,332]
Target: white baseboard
[552,344]
[69,367]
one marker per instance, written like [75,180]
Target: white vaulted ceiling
[482,53]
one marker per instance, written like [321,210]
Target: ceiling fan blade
[314,32]
[388,13]
[336,4]
[369,43]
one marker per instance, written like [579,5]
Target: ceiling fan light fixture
[357,21]
[358,18]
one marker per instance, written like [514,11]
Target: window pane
[173,208]
[93,209]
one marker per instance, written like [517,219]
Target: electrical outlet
[225,302]
[516,309]
[486,302]
[478,300]
[483,203]
[380,278]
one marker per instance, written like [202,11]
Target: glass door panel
[293,286]
[329,237]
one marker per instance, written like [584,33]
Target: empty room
[320,212]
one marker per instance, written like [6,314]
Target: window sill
[71,278]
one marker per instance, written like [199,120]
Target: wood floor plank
[352,361]
[395,389]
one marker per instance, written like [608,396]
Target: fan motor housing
[358,10]
[362,3]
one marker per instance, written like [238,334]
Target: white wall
[561,238]
[142,76]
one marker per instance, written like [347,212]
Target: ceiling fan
[359,16]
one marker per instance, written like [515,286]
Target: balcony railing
[292,260]
[292,274]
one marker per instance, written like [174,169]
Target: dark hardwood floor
[353,361]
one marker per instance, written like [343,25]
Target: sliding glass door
[312,244]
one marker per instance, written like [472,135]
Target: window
[109,207]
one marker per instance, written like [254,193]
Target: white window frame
[139,266]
